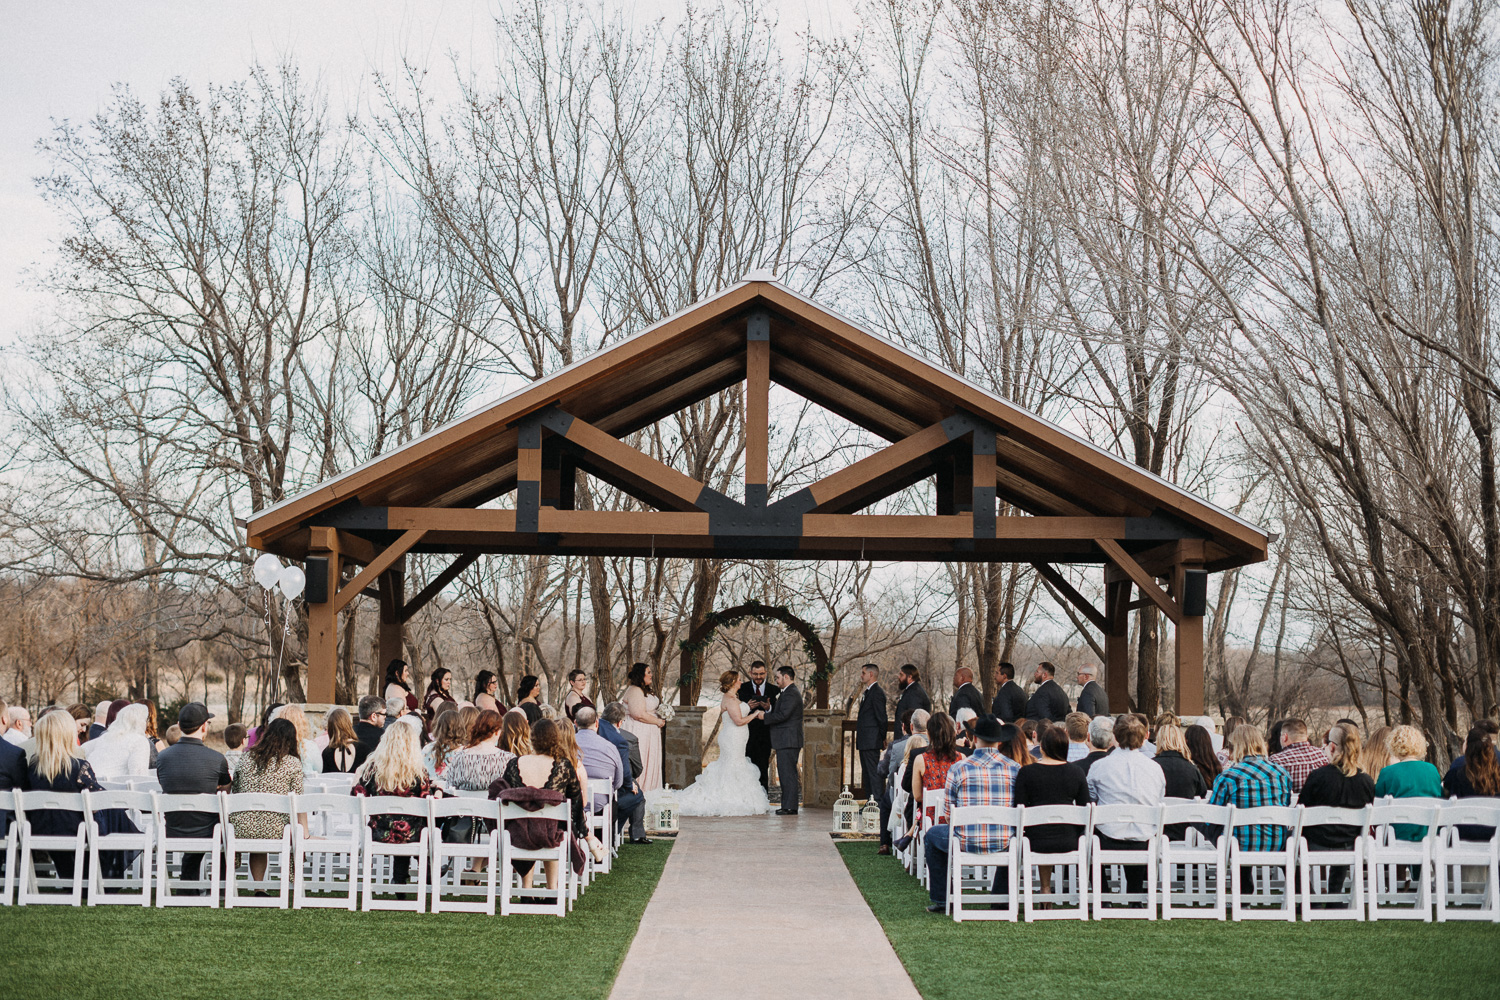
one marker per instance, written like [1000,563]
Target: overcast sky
[61,57]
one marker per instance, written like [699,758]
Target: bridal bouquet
[665,712]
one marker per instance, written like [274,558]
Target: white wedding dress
[729,786]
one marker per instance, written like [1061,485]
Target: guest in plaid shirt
[1298,757]
[1252,780]
[985,778]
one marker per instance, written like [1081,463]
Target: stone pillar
[821,777]
[317,713]
[682,747]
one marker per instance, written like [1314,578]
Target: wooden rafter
[832,491]
[757,408]
[382,562]
[1142,579]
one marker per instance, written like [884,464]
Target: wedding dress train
[730,786]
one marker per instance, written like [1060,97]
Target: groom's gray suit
[784,720]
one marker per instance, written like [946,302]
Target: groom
[785,722]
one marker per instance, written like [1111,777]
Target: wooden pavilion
[502,480]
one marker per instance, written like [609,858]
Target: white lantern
[870,818]
[845,813]
[661,814]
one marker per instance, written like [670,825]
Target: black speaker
[1194,592]
[316,590]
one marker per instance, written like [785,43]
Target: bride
[730,786]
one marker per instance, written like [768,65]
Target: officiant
[759,693]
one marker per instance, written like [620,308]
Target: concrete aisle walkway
[773,887]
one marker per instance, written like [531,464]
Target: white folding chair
[278,850]
[603,825]
[1069,868]
[1270,897]
[133,887]
[142,783]
[373,851]
[114,785]
[509,854]
[338,781]
[1194,870]
[211,846]
[934,812]
[1140,906]
[986,862]
[1314,867]
[1468,871]
[32,887]
[325,857]
[485,849]
[9,844]
[1390,895]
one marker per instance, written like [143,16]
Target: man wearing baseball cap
[190,768]
[986,777]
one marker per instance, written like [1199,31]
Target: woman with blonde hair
[56,765]
[1377,753]
[1409,776]
[395,768]
[1342,784]
[450,736]
[307,747]
[515,733]
[343,745]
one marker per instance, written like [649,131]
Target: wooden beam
[391,635]
[1142,579]
[886,526]
[1117,647]
[1066,589]
[323,621]
[1188,652]
[451,519]
[625,522]
[377,566]
[914,448]
[757,409]
[662,483]
[436,585]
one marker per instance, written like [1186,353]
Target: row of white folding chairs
[1199,876]
[336,859]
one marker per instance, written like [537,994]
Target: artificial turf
[126,951]
[1172,960]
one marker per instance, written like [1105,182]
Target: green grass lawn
[119,951]
[1159,960]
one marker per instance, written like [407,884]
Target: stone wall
[821,779]
[682,745]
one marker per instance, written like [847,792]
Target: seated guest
[307,747]
[174,733]
[1101,742]
[929,772]
[1148,747]
[483,759]
[190,768]
[234,739]
[1127,776]
[1206,723]
[17,727]
[1202,753]
[81,717]
[1252,780]
[1017,747]
[883,777]
[546,767]
[1298,757]
[963,727]
[1377,753]
[123,749]
[395,768]
[1476,772]
[1076,725]
[984,778]
[370,727]
[450,735]
[265,720]
[1343,785]
[1184,780]
[608,768]
[12,773]
[101,719]
[568,742]
[272,767]
[1222,749]
[57,766]
[626,741]
[341,755]
[154,738]
[395,710]
[1409,776]
[1052,782]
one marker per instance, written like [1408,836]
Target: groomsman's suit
[967,696]
[758,739]
[1093,700]
[1048,701]
[913,697]
[785,722]
[869,734]
[1010,702]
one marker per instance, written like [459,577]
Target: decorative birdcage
[845,813]
[661,812]
[869,818]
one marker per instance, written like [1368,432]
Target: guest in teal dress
[1410,777]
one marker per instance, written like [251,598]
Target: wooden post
[757,409]
[529,476]
[1117,644]
[1188,652]
[323,621]
[392,634]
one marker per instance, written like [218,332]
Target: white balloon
[267,571]
[292,581]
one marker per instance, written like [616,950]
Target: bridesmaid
[578,683]
[643,721]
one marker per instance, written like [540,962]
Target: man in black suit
[1092,700]
[869,726]
[370,727]
[913,695]
[1048,701]
[1010,700]
[965,694]
[758,693]
[785,722]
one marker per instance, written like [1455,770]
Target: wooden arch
[692,648]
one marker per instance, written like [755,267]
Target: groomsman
[1048,700]
[1010,700]
[913,695]
[965,694]
[755,693]
[1092,700]
[869,727]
